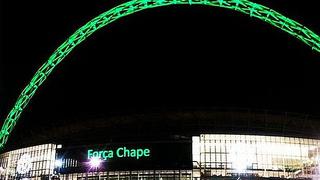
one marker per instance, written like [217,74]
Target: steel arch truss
[253,9]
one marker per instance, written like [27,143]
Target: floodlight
[58,163]
[95,162]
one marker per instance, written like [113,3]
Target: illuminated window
[265,155]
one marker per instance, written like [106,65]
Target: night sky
[169,57]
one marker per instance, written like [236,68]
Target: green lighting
[121,152]
[100,154]
[253,9]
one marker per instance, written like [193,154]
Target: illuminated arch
[253,9]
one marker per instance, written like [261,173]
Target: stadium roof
[170,124]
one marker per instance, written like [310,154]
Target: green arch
[253,9]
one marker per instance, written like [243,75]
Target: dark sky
[179,56]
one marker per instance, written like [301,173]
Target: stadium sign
[121,152]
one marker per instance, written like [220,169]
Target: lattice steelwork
[253,9]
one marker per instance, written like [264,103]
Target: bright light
[242,157]
[1,170]
[58,163]
[24,164]
[95,162]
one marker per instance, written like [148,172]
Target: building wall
[132,175]
[212,155]
[266,156]
[36,162]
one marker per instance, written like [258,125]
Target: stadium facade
[234,152]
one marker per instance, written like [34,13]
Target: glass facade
[44,163]
[251,155]
[36,162]
[213,155]
[131,175]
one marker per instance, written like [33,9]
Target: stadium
[177,144]
[164,144]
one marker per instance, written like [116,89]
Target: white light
[58,163]
[24,164]
[241,156]
[95,162]
[1,170]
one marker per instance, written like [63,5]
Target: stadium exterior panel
[197,154]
